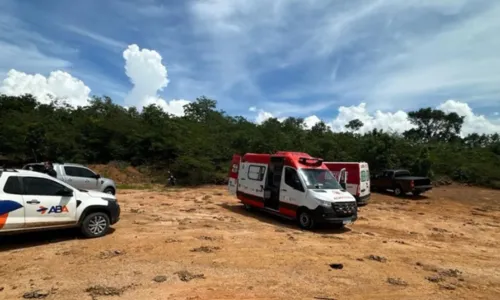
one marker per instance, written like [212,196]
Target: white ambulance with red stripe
[292,185]
[357,178]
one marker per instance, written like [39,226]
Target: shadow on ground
[405,196]
[38,238]
[278,221]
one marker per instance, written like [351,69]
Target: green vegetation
[198,147]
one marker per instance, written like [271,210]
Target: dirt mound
[121,174]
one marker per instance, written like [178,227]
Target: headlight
[324,203]
[108,199]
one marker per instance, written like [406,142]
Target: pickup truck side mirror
[97,176]
[65,192]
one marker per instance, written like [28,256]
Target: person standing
[49,169]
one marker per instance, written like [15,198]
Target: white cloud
[393,122]
[310,121]
[174,107]
[472,123]
[144,67]
[398,121]
[58,84]
[148,76]
[263,115]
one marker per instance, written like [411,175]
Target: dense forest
[198,147]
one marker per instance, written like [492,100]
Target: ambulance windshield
[319,179]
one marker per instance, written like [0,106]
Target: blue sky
[284,57]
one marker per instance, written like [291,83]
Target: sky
[330,60]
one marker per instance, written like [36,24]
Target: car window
[78,172]
[319,179]
[71,171]
[41,186]
[13,186]
[364,176]
[292,179]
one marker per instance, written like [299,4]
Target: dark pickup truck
[400,182]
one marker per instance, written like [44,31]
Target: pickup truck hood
[332,195]
[96,194]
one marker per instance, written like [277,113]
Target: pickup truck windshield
[319,179]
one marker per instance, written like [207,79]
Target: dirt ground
[202,244]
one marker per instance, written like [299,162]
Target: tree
[434,125]
[354,125]
[198,147]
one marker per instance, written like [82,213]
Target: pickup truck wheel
[95,225]
[397,191]
[305,220]
[109,190]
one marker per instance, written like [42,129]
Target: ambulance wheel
[305,219]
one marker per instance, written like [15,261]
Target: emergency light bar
[311,161]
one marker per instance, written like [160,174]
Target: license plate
[347,222]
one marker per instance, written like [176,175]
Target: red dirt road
[201,244]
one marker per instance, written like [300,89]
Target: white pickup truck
[78,176]
[35,201]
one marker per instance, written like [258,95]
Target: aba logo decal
[7,206]
[57,209]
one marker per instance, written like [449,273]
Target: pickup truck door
[385,181]
[12,205]
[81,178]
[73,178]
[44,207]
[90,180]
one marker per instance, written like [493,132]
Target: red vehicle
[357,178]
[293,185]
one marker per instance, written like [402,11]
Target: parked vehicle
[35,201]
[78,176]
[400,182]
[357,177]
[292,185]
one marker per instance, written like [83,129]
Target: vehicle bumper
[335,216]
[363,200]
[114,211]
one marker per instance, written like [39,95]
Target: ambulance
[357,178]
[293,185]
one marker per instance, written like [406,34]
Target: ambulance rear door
[232,184]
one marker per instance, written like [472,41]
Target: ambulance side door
[292,189]
[232,184]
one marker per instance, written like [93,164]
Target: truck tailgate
[420,182]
